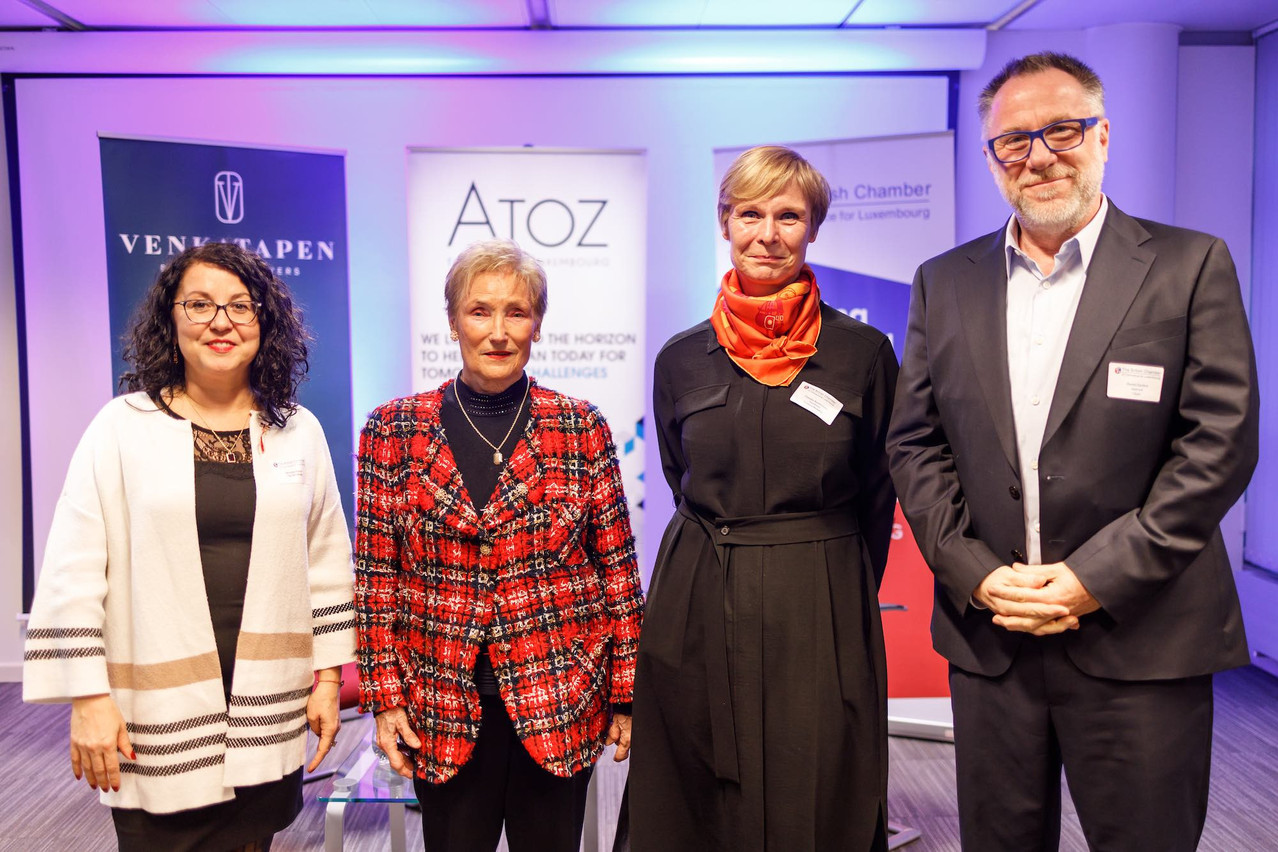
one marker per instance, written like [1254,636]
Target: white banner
[583,214]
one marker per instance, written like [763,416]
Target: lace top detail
[223,447]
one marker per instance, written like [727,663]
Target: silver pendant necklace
[498,458]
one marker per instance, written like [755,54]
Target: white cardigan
[121,605]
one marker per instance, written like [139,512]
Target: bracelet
[339,682]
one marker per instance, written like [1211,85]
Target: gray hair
[1036,63]
[495,256]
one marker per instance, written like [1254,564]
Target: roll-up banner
[289,206]
[892,208]
[583,214]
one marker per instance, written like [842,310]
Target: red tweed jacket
[546,576]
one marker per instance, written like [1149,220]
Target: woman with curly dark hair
[197,579]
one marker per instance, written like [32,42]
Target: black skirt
[255,813]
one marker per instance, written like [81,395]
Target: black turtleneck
[493,415]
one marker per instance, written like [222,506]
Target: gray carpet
[46,809]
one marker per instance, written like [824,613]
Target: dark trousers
[502,784]
[1136,754]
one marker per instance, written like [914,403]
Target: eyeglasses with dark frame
[1058,136]
[240,312]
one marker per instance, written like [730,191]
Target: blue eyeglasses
[1057,136]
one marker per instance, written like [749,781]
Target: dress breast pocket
[702,419]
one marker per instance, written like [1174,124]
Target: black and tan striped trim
[64,633]
[336,609]
[62,653]
[178,748]
[269,740]
[272,719]
[263,700]
[321,629]
[151,771]
[177,727]
[273,646]
[166,675]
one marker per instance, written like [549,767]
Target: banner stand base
[921,719]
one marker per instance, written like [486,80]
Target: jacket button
[1015,492]
[485,549]
[1017,556]
[724,531]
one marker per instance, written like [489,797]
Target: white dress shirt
[1040,313]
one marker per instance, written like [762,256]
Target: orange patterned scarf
[770,337]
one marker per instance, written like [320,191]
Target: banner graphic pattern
[583,214]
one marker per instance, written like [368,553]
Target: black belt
[750,531]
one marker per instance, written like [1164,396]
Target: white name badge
[293,470]
[1139,382]
[817,401]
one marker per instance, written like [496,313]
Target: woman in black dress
[760,696]
[198,575]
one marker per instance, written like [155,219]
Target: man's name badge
[1139,382]
[817,401]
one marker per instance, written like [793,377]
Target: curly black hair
[150,345]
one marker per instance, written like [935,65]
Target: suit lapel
[449,501]
[1114,277]
[982,305]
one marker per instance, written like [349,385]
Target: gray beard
[1058,214]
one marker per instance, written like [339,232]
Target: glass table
[365,777]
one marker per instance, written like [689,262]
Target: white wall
[11,629]
[679,120]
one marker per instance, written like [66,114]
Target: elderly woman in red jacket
[497,591]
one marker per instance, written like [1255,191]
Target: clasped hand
[1037,599]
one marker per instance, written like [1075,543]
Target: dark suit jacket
[1131,493]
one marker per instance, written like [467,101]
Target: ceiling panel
[929,12]
[1237,15]
[1243,15]
[770,13]
[143,13]
[290,13]
[15,14]
[627,13]
[699,13]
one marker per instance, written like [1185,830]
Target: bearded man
[1076,411]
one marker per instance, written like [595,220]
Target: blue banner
[162,197]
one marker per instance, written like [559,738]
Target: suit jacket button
[1015,492]
[485,549]
[1017,556]
[724,531]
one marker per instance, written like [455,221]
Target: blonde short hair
[765,171]
[495,256]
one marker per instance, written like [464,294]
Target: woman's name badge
[817,401]
[293,470]
[1139,382]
